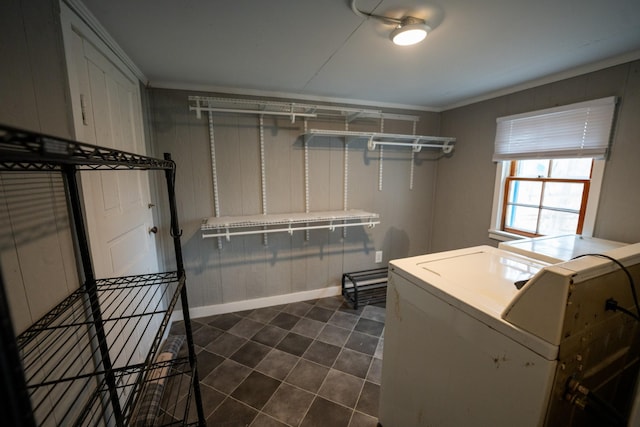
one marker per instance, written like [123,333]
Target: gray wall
[36,252]
[244,268]
[33,78]
[465,182]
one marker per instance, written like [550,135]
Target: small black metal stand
[367,286]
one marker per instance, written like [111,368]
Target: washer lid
[484,278]
[480,282]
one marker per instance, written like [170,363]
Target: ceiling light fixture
[409,30]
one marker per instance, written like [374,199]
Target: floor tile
[331,303]
[206,319]
[250,354]
[225,321]
[307,375]
[277,364]
[269,335]
[176,387]
[227,376]
[322,353]
[205,335]
[369,397]
[370,327]
[181,406]
[362,342]
[177,328]
[344,320]
[207,362]
[373,312]
[226,344]
[294,344]
[256,390]
[361,420]
[263,315]
[379,349]
[353,362]
[308,327]
[323,413]
[334,335]
[289,404]
[298,308]
[244,313]
[246,328]
[264,420]
[285,321]
[375,371]
[341,388]
[232,413]
[211,399]
[319,314]
[347,308]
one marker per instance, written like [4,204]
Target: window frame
[512,177]
[591,208]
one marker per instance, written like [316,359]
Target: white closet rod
[373,144]
[417,142]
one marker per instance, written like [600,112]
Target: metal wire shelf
[286,222]
[23,150]
[60,354]
[88,359]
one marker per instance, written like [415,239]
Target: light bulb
[406,35]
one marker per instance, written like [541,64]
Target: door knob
[153,229]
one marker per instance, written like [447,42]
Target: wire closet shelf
[84,362]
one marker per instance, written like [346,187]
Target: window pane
[565,195]
[522,218]
[532,168]
[571,168]
[525,192]
[554,222]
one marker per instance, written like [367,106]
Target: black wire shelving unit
[76,365]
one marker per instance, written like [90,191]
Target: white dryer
[556,249]
[465,347]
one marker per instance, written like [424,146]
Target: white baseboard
[252,304]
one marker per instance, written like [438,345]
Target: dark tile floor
[311,363]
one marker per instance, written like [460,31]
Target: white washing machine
[556,249]
[465,347]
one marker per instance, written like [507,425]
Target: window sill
[503,236]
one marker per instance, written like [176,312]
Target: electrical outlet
[378,257]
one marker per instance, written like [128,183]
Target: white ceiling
[320,49]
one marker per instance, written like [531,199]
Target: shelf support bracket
[447,147]
[371,144]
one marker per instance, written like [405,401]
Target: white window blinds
[576,130]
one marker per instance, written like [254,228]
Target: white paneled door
[118,204]
[107,112]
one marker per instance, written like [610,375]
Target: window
[550,168]
[543,197]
